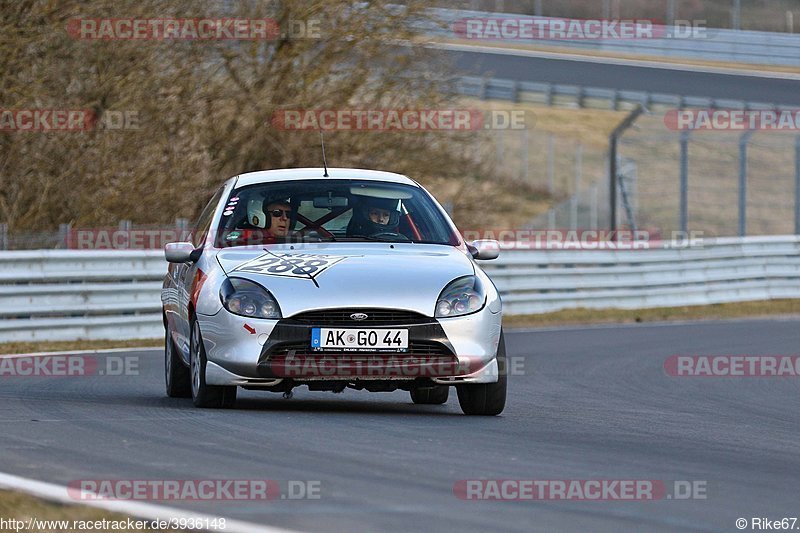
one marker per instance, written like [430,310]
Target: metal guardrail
[68,295]
[552,94]
[741,46]
[76,295]
[729,270]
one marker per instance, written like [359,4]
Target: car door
[185,274]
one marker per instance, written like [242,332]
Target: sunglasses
[278,212]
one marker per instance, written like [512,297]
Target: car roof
[289,174]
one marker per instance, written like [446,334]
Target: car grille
[341,317]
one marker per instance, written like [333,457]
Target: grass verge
[653,153]
[582,316]
[68,518]
[64,346]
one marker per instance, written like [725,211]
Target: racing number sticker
[290,265]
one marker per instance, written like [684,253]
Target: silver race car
[331,278]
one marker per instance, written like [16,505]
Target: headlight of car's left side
[462,296]
[247,298]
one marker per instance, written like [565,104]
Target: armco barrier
[727,270]
[714,44]
[70,295]
[576,96]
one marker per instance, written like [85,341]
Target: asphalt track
[595,73]
[592,403]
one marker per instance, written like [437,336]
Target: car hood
[361,275]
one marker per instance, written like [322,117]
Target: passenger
[373,216]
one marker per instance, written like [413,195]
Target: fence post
[573,218]
[684,213]
[743,140]
[736,15]
[500,146]
[3,236]
[525,154]
[670,12]
[593,215]
[182,225]
[612,164]
[64,231]
[551,179]
[797,185]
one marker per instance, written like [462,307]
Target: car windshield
[341,210]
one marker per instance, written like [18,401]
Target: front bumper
[264,353]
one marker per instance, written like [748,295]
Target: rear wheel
[487,399]
[431,396]
[177,376]
[204,395]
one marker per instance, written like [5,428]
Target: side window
[204,220]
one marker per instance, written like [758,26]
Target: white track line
[656,324]
[85,352]
[57,493]
[614,61]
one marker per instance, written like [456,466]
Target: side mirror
[485,249]
[181,252]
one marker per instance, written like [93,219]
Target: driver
[268,221]
[373,216]
[278,214]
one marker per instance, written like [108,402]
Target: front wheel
[204,395]
[486,399]
[176,374]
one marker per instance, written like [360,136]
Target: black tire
[431,396]
[486,399]
[178,380]
[204,395]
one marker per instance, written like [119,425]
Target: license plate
[359,339]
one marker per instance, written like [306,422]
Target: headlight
[461,297]
[246,298]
